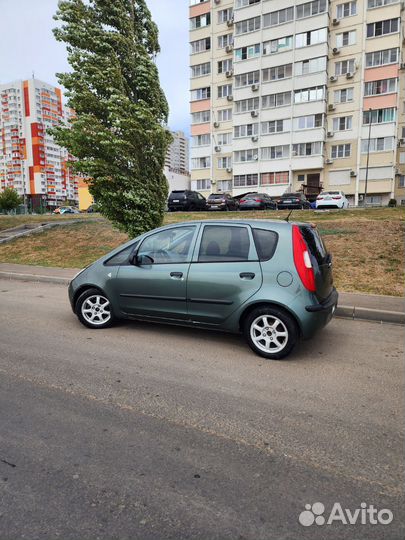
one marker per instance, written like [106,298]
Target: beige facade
[306,80]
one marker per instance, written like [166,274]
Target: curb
[35,278]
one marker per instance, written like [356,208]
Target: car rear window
[315,244]
[266,243]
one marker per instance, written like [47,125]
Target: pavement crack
[13,465]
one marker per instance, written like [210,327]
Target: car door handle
[247,275]
[176,275]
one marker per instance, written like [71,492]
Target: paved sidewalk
[389,309]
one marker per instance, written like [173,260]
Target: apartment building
[178,157]
[296,95]
[30,160]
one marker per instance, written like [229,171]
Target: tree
[9,199]
[118,135]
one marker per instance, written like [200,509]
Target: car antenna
[289,214]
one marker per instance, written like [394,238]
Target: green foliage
[9,199]
[118,136]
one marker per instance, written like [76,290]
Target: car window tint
[169,246]
[266,243]
[224,244]
[122,257]
[315,244]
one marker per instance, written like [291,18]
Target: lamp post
[368,159]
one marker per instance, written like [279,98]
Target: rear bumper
[329,304]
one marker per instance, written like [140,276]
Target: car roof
[264,223]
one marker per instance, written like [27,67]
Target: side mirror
[142,260]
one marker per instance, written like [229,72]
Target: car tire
[93,309]
[270,332]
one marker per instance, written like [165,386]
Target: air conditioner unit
[328,161]
[331,107]
[217,149]
[213,182]
[229,169]
[335,22]
[255,87]
[216,124]
[230,22]
[349,75]
[229,48]
[255,138]
[229,98]
[335,50]
[217,1]
[330,133]
[255,157]
[229,74]
[353,173]
[254,114]
[333,78]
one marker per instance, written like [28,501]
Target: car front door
[224,273]
[155,285]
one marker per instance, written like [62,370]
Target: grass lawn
[367,245]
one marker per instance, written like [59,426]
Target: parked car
[257,201]
[332,199]
[66,210]
[222,201]
[271,280]
[187,201]
[293,201]
[92,208]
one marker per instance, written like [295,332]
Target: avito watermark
[367,514]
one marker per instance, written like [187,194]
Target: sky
[27,45]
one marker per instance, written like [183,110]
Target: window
[244,3]
[123,256]
[201,140]
[378,3]
[224,162]
[278,17]
[195,2]
[272,178]
[276,152]
[341,151]
[307,149]
[401,181]
[201,117]
[384,86]
[348,9]
[247,105]
[169,246]
[225,185]
[225,40]
[381,58]
[344,95]
[224,244]
[245,155]
[245,180]
[224,138]
[266,243]
[346,66]
[246,130]
[276,126]
[224,115]
[201,69]
[201,185]
[276,100]
[346,38]
[224,66]
[200,21]
[379,116]
[200,45]
[309,122]
[314,65]
[278,45]
[225,15]
[224,90]
[246,26]
[247,79]
[381,28]
[309,94]
[276,73]
[380,144]
[200,94]
[311,38]
[343,123]
[311,8]
[201,163]
[244,53]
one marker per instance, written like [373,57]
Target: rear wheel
[270,332]
[93,309]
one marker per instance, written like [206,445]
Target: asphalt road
[145,431]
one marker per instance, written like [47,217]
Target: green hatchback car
[271,280]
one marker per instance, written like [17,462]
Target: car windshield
[216,196]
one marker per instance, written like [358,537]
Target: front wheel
[270,332]
[93,309]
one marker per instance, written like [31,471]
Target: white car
[332,199]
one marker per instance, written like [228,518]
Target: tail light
[258,200]
[319,198]
[242,201]
[302,260]
[338,197]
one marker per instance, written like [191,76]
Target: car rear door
[224,273]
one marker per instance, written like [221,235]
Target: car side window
[169,246]
[266,243]
[122,257]
[224,244]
